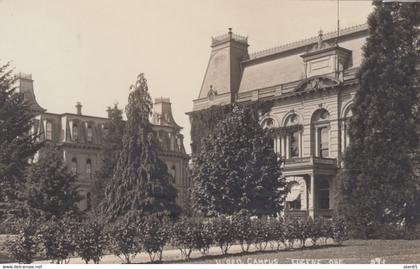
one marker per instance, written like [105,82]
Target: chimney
[25,85]
[79,108]
[224,67]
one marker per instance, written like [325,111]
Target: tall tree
[141,183]
[238,169]
[17,145]
[377,185]
[112,145]
[51,186]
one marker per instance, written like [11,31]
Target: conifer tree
[17,145]
[112,145]
[377,185]
[238,169]
[51,187]
[141,184]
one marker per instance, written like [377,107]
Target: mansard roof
[284,64]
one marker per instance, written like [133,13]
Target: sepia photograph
[209,132]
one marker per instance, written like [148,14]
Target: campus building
[80,138]
[304,92]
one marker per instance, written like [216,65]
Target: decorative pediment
[315,83]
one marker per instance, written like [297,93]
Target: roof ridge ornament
[320,40]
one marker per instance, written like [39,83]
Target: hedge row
[58,240]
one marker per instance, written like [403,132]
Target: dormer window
[326,58]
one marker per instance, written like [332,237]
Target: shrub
[314,230]
[277,233]
[242,224]
[184,236]
[204,237]
[291,233]
[339,230]
[24,246]
[224,233]
[58,239]
[156,235]
[91,241]
[125,239]
[262,233]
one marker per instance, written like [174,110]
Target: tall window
[74,165]
[75,132]
[321,133]
[89,168]
[324,194]
[323,141]
[268,124]
[89,134]
[48,131]
[294,137]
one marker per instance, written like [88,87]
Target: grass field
[352,251]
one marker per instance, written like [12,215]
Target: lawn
[352,251]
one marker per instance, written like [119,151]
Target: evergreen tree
[141,183]
[112,145]
[51,187]
[238,169]
[377,185]
[17,145]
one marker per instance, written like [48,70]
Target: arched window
[74,165]
[89,134]
[321,133]
[267,123]
[48,131]
[89,168]
[294,137]
[324,194]
[293,198]
[75,132]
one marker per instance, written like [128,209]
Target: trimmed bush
[125,239]
[24,246]
[277,233]
[204,238]
[184,236]
[262,233]
[339,230]
[245,235]
[224,233]
[58,239]
[91,241]
[156,235]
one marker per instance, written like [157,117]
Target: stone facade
[80,138]
[307,88]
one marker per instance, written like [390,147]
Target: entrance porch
[311,182]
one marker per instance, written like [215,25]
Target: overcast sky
[92,50]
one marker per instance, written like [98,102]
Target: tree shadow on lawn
[240,254]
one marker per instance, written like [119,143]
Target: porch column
[300,145]
[311,208]
[316,153]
